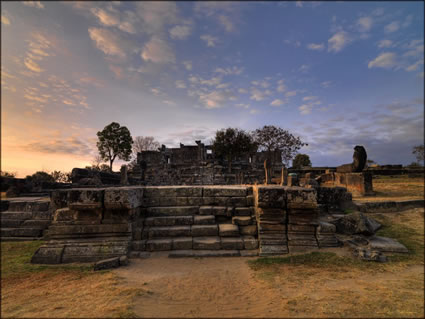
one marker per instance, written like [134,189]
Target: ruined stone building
[198,165]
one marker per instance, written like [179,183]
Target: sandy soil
[228,287]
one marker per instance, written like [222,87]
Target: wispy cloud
[386,60]
[385,43]
[277,102]
[338,41]
[180,32]
[209,40]
[158,51]
[5,20]
[316,47]
[107,41]
[230,70]
[364,24]
[392,27]
[35,4]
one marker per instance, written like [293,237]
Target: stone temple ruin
[90,224]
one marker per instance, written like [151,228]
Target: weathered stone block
[271,197]
[301,228]
[225,191]
[169,231]
[325,227]
[39,206]
[213,210]
[107,264]
[232,243]
[173,211]
[249,253]
[250,230]
[301,198]
[59,199]
[204,230]
[237,201]
[48,255]
[250,242]
[268,250]
[250,200]
[242,220]
[123,197]
[138,245]
[16,215]
[229,230]
[204,220]
[65,214]
[212,243]
[42,215]
[86,198]
[182,243]
[159,244]
[281,228]
[243,211]
[169,220]
[124,261]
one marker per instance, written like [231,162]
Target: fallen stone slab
[385,244]
[107,264]
[356,223]
[48,255]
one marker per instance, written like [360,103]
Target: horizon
[335,74]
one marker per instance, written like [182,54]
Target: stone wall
[359,184]
[90,224]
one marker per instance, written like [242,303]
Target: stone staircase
[25,219]
[200,229]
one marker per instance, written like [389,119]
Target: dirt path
[227,287]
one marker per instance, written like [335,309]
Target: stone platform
[90,224]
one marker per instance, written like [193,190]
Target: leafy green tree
[232,142]
[271,138]
[300,161]
[114,141]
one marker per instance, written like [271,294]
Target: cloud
[229,71]
[158,51]
[338,41]
[106,41]
[30,64]
[209,40]
[364,24]
[386,60]
[70,145]
[309,98]
[290,93]
[180,32]
[226,22]
[35,4]
[307,108]
[155,15]
[326,84]
[415,66]
[180,84]
[105,18]
[316,47]
[385,43]
[281,86]
[187,65]
[299,4]
[5,20]
[258,95]
[216,99]
[304,68]
[277,102]
[90,80]
[297,43]
[116,70]
[392,27]
[407,21]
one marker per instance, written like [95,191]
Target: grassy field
[396,188]
[54,291]
[334,285]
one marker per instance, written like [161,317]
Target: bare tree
[144,143]
[418,151]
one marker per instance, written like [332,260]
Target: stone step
[204,220]
[22,215]
[169,220]
[204,253]
[21,232]
[271,250]
[228,230]
[89,229]
[11,223]
[166,231]
[40,223]
[173,211]
[20,238]
[208,243]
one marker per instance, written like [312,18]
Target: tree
[271,138]
[114,141]
[61,177]
[301,160]
[8,174]
[232,142]
[418,151]
[39,177]
[144,143]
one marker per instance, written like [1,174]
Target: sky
[336,74]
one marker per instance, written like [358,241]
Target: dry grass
[396,188]
[55,291]
[328,285]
